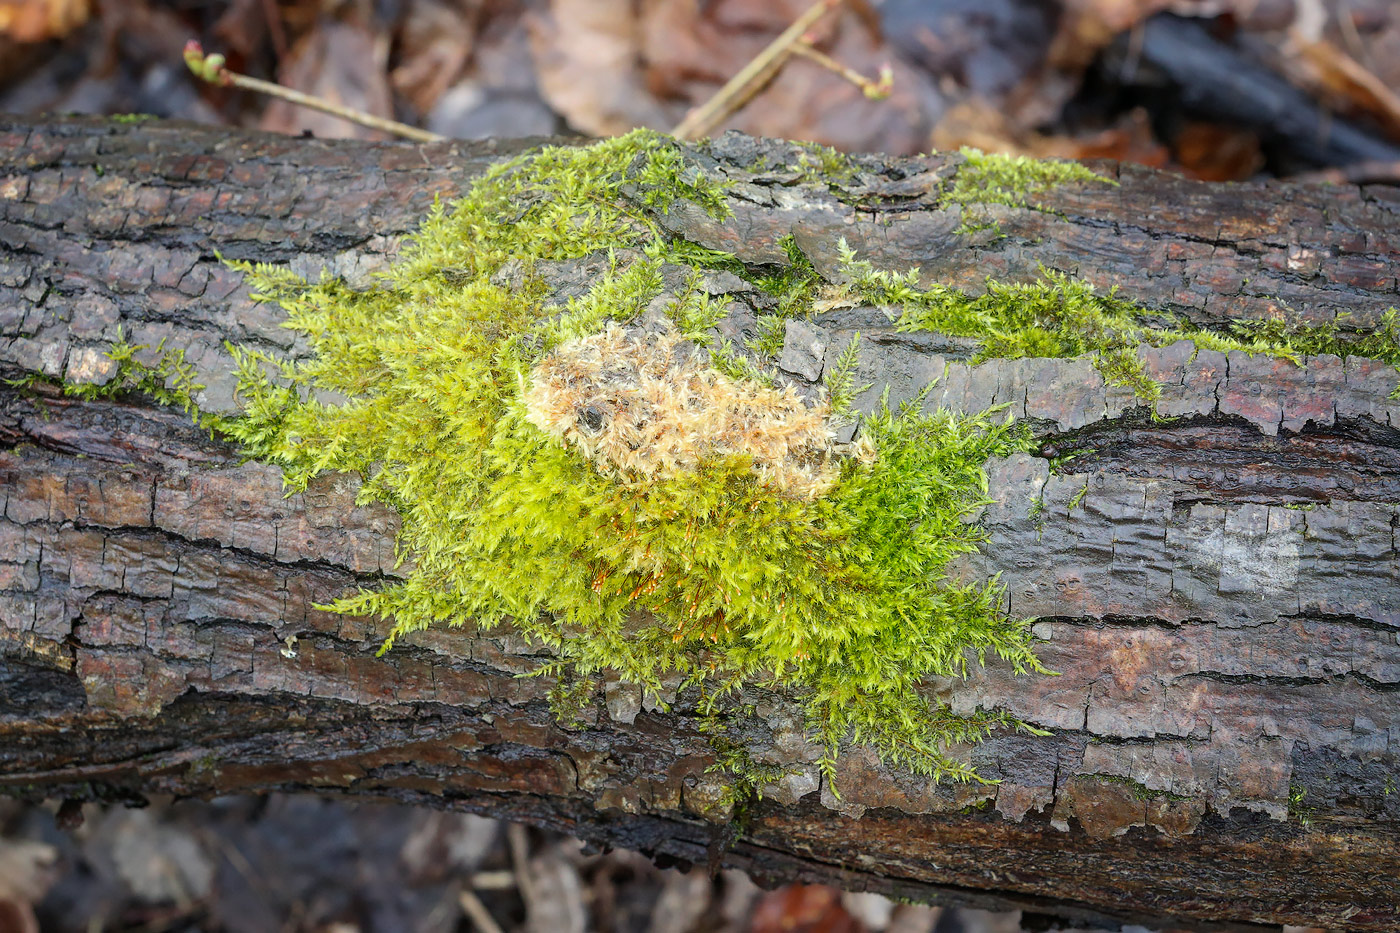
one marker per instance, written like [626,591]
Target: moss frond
[169,378]
[841,379]
[1057,316]
[985,178]
[996,178]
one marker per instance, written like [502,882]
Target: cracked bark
[1222,605]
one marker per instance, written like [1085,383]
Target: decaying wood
[1222,604]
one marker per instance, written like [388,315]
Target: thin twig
[875,90]
[738,89]
[520,860]
[493,880]
[476,912]
[211,68]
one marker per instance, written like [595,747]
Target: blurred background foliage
[1214,89]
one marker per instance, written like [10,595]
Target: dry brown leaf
[979,124]
[983,126]
[605,67]
[434,45]
[586,54]
[1212,152]
[26,873]
[38,20]
[689,53]
[26,869]
[1342,80]
[242,27]
[803,908]
[339,62]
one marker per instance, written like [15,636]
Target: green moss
[1297,793]
[1077,499]
[1036,514]
[794,286]
[841,379]
[825,165]
[695,311]
[570,696]
[747,777]
[993,178]
[1063,460]
[170,379]
[810,162]
[1139,790]
[1060,317]
[842,600]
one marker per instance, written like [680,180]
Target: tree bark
[1222,604]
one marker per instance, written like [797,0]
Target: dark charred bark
[1222,604]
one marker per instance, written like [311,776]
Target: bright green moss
[1297,810]
[1059,317]
[986,178]
[170,379]
[995,178]
[842,600]
[825,165]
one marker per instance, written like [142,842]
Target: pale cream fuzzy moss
[654,408]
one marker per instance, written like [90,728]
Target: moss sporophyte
[590,467]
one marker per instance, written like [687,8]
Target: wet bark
[1218,591]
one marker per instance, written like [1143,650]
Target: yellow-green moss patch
[996,178]
[1060,317]
[840,597]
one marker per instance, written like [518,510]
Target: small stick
[738,89]
[211,68]
[520,860]
[476,911]
[875,90]
[492,880]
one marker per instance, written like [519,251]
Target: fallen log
[1213,569]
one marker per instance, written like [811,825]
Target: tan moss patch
[656,409]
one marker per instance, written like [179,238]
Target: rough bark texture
[1222,605]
